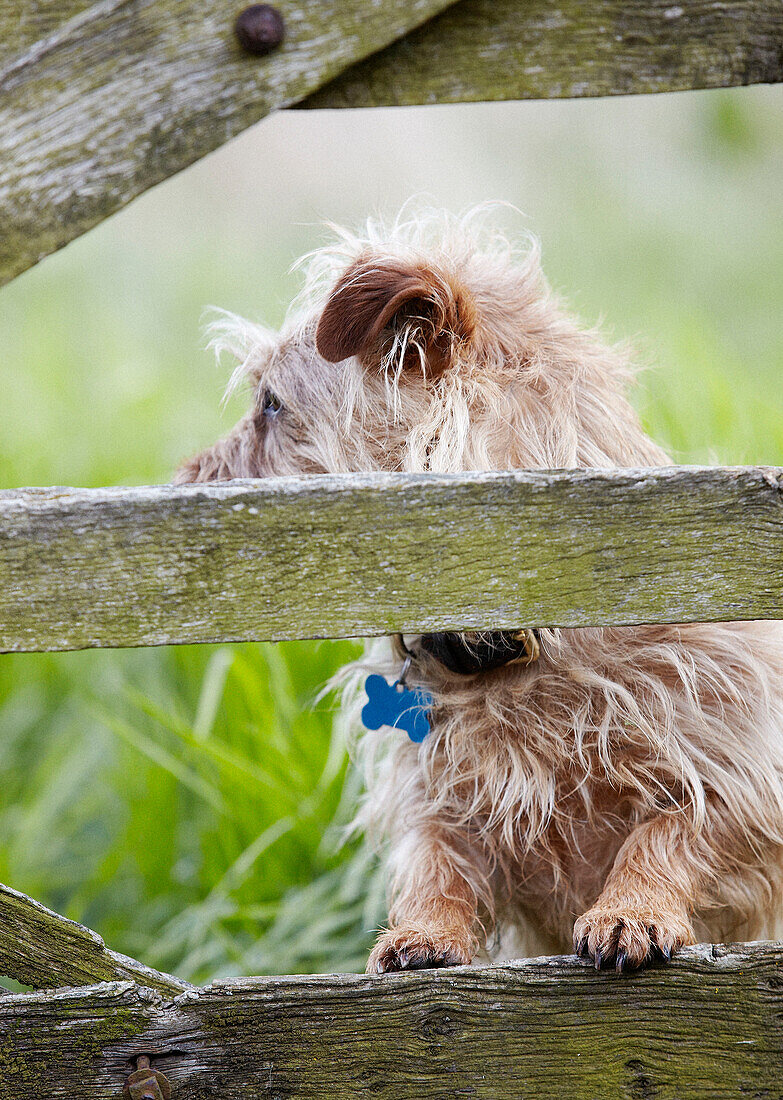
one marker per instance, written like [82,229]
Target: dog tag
[397,706]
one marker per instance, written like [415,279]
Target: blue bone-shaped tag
[397,706]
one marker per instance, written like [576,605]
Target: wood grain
[705,1027]
[42,949]
[369,554]
[99,102]
[551,49]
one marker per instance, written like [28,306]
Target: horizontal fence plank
[547,49]
[42,949]
[100,101]
[707,1025]
[370,554]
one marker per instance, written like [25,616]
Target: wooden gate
[100,101]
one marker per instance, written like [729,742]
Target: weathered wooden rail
[364,554]
[705,1026]
[40,948]
[102,99]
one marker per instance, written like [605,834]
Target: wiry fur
[630,780]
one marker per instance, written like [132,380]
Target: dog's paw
[416,947]
[628,938]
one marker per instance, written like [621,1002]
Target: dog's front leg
[643,911]
[438,887]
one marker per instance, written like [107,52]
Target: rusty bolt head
[259,28]
[146,1083]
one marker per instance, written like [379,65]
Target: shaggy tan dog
[625,788]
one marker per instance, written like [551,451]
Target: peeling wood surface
[550,49]
[40,948]
[368,554]
[708,1025]
[99,102]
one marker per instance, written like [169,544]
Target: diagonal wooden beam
[40,948]
[99,106]
[547,49]
[362,554]
[100,101]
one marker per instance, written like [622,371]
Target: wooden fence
[363,554]
[99,101]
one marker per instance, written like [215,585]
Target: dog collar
[405,708]
[468,654]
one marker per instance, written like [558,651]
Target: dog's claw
[412,949]
[618,938]
[418,960]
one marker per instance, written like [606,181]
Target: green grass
[190,803]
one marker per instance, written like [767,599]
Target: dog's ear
[377,298]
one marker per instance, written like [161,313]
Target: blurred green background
[189,803]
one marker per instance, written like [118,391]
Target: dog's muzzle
[468,654]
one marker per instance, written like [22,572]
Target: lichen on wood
[371,554]
[553,49]
[43,949]
[99,102]
[703,1027]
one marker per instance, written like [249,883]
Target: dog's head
[426,348]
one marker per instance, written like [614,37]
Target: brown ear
[376,294]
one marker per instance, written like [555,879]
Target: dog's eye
[272,405]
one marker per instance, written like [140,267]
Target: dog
[618,790]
